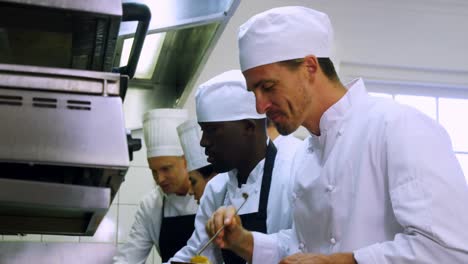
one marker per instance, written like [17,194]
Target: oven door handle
[142,14]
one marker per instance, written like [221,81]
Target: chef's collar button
[301,246]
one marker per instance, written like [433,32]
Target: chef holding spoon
[234,136]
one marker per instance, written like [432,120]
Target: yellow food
[200,260]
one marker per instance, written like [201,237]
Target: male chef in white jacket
[376,182]
[165,216]
[235,140]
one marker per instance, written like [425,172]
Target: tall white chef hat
[225,98]
[160,131]
[284,33]
[190,136]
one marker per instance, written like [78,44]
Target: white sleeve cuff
[367,255]
[265,248]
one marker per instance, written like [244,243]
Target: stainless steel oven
[64,149]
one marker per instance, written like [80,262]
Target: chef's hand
[234,237]
[339,258]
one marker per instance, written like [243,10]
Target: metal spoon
[245,196]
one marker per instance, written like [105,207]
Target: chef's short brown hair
[325,64]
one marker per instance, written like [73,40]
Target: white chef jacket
[145,229]
[288,144]
[223,190]
[381,181]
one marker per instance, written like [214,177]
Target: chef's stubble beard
[288,126]
[284,129]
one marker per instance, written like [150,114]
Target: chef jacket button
[301,246]
[333,240]
[310,147]
[294,196]
[339,134]
[330,188]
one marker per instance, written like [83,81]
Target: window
[425,104]
[449,109]
[148,57]
[463,159]
[452,114]
[384,95]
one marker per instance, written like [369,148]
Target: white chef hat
[225,98]
[160,131]
[190,136]
[284,33]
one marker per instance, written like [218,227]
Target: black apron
[256,221]
[174,234]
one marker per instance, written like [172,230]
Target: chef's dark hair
[325,63]
[206,171]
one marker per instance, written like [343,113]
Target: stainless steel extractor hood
[181,36]
[64,149]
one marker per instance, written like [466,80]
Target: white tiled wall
[50,238]
[138,182]
[118,220]
[107,230]
[126,216]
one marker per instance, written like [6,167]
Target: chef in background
[166,215]
[199,169]
[235,140]
[376,182]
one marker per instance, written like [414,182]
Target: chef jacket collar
[254,176]
[334,116]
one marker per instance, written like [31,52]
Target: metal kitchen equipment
[63,34]
[64,149]
[184,33]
